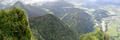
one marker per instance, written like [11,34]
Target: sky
[5,2]
[35,1]
[42,1]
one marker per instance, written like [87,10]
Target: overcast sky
[34,1]
[24,1]
[41,1]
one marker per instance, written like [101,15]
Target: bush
[98,35]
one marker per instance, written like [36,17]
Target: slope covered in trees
[97,35]
[80,21]
[14,25]
[49,27]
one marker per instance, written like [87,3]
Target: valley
[60,20]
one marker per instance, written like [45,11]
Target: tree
[14,25]
[98,35]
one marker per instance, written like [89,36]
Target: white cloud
[35,1]
[5,2]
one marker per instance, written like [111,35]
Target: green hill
[49,27]
[97,35]
[14,25]
[80,21]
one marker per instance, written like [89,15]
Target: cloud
[35,1]
[5,2]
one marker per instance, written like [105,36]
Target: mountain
[14,25]
[31,10]
[51,28]
[79,20]
[99,14]
[66,12]
[58,10]
[46,8]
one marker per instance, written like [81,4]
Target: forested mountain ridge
[31,10]
[51,28]
[66,13]
[80,21]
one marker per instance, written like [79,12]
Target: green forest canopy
[14,25]
[97,35]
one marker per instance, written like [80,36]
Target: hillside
[46,8]
[49,27]
[79,20]
[31,10]
[100,14]
[66,13]
[58,10]
[112,26]
[97,35]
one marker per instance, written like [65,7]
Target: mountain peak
[47,16]
[18,2]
